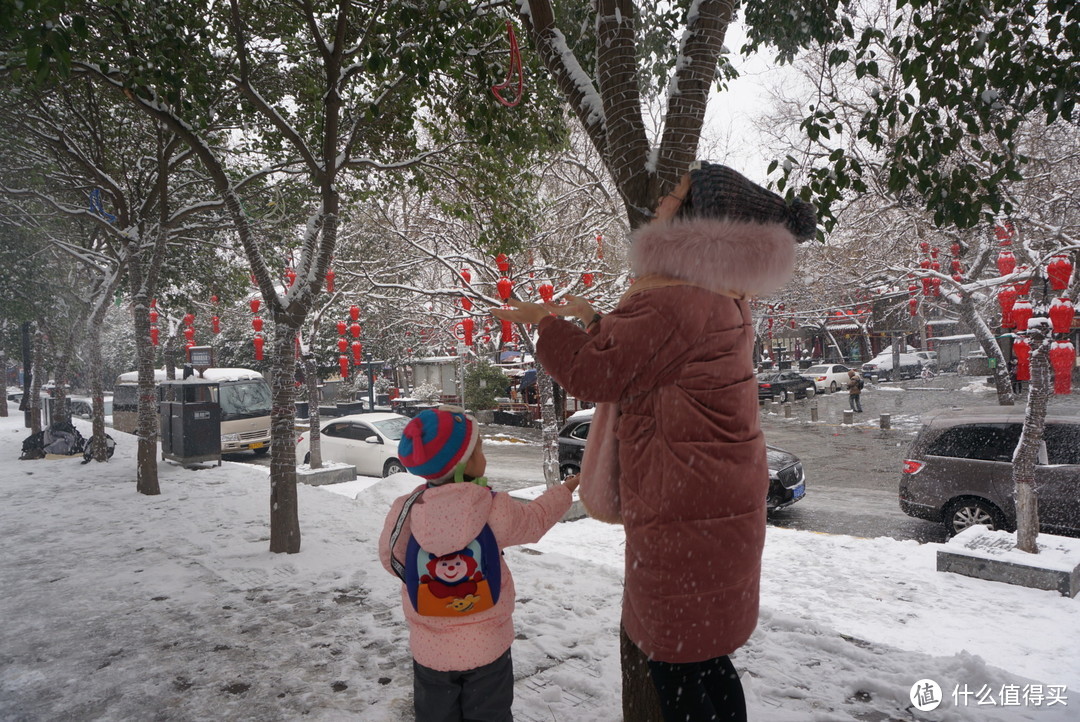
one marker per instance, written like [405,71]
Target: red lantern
[257,323]
[547,291]
[341,328]
[466,303]
[357,352]
[913,289]
[1004,233]
[927,286]
[587,279]
[502,262]
[254,281]
[924,246]
[467,326]
[1059,270]
[504,287]
[1006,263]
[507,331]
[955,248]
[153,303]
[1021,314]
[255,303]
[956,267]
[189,333]
[214,298]
[290,276]
[1007,299]
[215,324]
[342,345]
[343,364]
[154,335]
[258,341]
[1061,314]
[330,276]
[913,305]
[466,275]
[354,329]
[354,312]
[153,316]
[1022,351]
[935,286]
[958,278]
[189,318]
[1063,359]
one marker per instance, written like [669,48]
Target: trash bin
[190,421]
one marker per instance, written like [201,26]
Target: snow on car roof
[215,374]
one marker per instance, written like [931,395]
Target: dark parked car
[784,386]
[787,483]
[958,470]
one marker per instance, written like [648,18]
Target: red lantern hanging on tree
[330,276]
[341,328]
[215,324]
[189,319]
[154,335]
[503,263]
[1004,234]
[913,305]
[547,291]
[342,345]
[254,304]
[467,326]
[258,341]
[1063,359]
[189,333]
[466,275]
[357,353]
[1006,263]
[1061,314]
[1059,271]
[354,329]
[153,316]
[1021,314]
[343,364]
[1007,299]
[587,279]
[507,331]
[290,276]
[466,303]
[1022,351]
[504,288]
[354,312]
[257,323]
[955,248]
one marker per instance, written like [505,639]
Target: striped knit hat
[436,441]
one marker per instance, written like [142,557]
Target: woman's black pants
[699,691]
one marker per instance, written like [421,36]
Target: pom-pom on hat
[436,441]
[717,191]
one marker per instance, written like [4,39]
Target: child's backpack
[859,383]
[453,585]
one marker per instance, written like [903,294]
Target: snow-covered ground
[120,606]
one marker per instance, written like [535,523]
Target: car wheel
[783,396]
[568,470]
[393,467]
[261,451]
[964,513]
[834,387]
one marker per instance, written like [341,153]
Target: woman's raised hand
[522,312]
[575,306]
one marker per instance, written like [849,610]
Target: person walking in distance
[855,387]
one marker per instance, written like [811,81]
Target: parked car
[83,406]
[958,470]
[367,441]
[784,385]
[827,377]
[927,358]
[787,482]
[881,367]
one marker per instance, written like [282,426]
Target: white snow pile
[121,606]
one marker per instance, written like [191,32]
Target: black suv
[787,482]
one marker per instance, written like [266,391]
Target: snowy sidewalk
[119,606]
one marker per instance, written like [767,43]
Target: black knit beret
[717,191]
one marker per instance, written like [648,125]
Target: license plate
[798,492]
[256,445]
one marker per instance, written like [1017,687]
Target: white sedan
[367,441]
[832,377]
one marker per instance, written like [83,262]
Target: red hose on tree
[515,65]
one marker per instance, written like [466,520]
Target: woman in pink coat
[675,452]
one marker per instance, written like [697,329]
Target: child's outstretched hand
[571,482]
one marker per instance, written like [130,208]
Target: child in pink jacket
[460,630]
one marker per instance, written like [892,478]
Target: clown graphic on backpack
[436,445]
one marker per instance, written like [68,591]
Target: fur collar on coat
[746,259]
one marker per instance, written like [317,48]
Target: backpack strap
[395,563]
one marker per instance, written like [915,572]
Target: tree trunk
[146,469]
[311,371]
[97,391]
[999,371]
[1026,455]
[284,511]
[34,403]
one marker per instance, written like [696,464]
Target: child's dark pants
[699,691]
[484,694]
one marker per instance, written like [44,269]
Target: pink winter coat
[694,478]
[444,520]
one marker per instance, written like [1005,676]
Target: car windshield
[244,399]
[392,428]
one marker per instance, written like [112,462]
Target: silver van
[958,471]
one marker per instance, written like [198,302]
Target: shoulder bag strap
[395,563]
